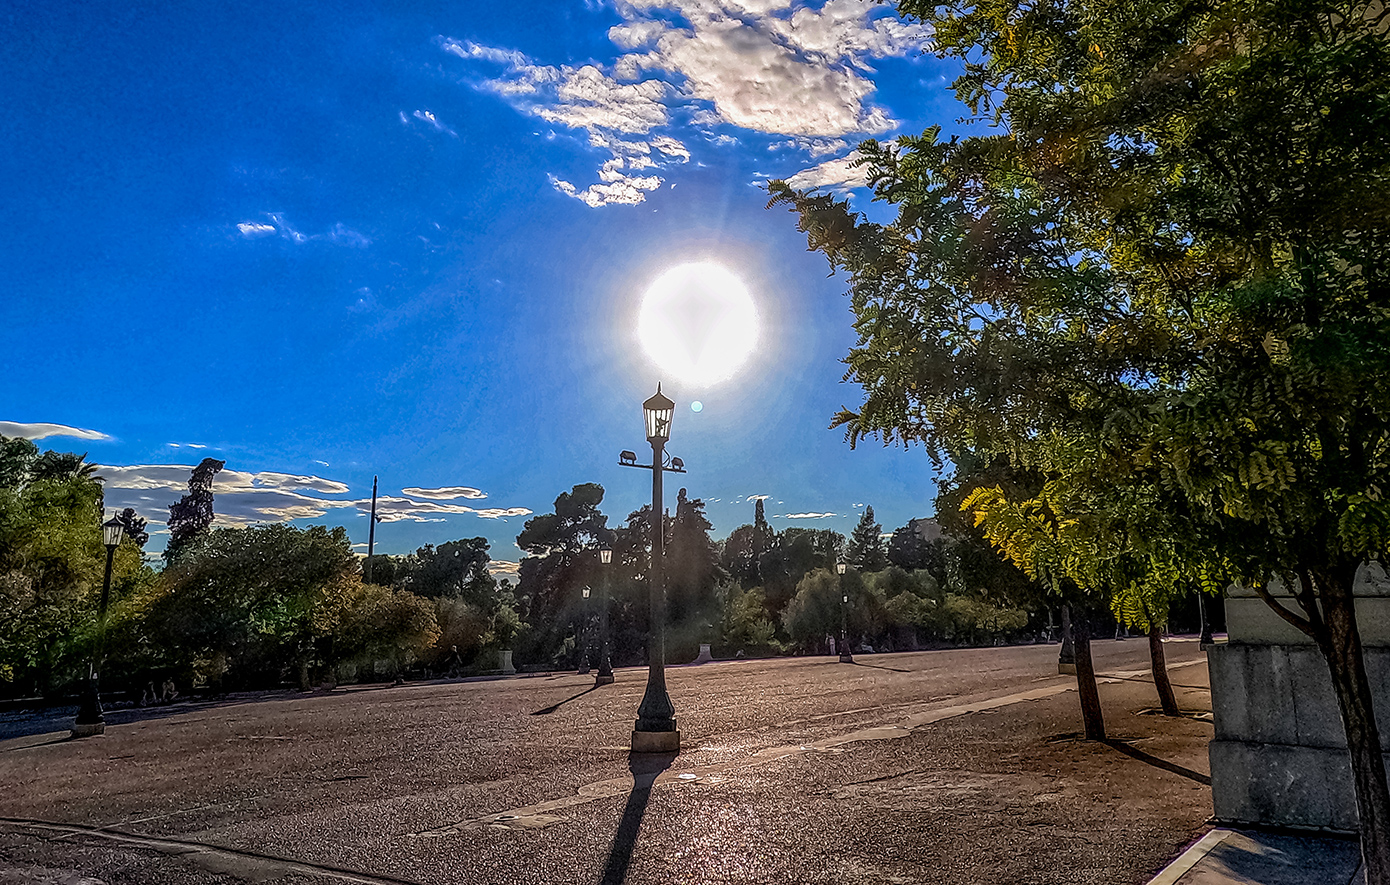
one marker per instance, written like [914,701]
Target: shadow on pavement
[546,711]
[879,667]
[645,768]
[1150,759]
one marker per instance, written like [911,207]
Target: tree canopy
[1158,278]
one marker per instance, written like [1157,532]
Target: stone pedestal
[705,656]
[656,741]
[504,663]
[1279,756]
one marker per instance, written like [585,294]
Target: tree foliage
[192,514]
[1160,280]
[865,549]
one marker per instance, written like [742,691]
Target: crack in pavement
[218,858]
[542,814]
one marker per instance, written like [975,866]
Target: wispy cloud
[503,568]
[840,175]
[340,233]
[778,67]
[390,509]
[14,429]
[244,498]
[802,515]
[429,120]
[447,493]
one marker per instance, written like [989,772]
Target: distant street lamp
[1205,639]
[90,720]
[605,665]
[845,656]
[584,636]
[655,731]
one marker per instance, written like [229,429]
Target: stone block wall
[1279,754]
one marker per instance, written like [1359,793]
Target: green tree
[192,514]
[561,561]
[257,602]
[133,526]
[692,573]
[865,550]
[1166,262]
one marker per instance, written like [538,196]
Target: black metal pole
[584,640]
[656,713]
[1205,638]
[845,656]
[605,664]
[89,716]
[371,536]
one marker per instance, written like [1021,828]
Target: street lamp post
[605,665]
[90,720]
[655,730]
[845,656]
[1205,639]
[584,637]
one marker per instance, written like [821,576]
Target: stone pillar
[1279,756]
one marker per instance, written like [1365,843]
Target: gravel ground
[958,766]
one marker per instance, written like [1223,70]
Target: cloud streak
[14,429]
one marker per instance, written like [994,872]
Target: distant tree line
[268,605]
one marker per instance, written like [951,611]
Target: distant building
[926,528]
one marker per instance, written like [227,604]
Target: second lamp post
[655,730]
[845,656]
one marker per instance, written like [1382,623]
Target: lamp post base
[846,658]
[656,741]
[603,679]
[88,729]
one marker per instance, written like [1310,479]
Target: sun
[698,323]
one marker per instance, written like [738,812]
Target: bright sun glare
[698,323]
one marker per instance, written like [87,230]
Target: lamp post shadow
[645,768]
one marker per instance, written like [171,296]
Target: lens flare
[698,323]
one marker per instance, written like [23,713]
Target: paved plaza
[956,766]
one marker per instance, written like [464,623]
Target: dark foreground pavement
[954,767]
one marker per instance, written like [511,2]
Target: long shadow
[62,739]
[880,667]
[645,768]
[546,711]
[1150,759]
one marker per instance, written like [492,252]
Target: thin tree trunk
[1159,666]
[1341,645]
[1086,678]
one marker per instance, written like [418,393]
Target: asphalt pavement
[953,766]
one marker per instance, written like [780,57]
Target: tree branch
[1303,624]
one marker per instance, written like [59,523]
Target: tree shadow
[879,667]
[645,768]
[1150,759]
[546,711]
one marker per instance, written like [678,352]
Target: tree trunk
[1086,678]
[1166,698]
[1341,646]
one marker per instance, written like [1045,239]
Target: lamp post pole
[584,637]
[90,720]
[1205,639]
[605,665]
[845,656]
[655,730]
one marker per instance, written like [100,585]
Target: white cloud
[801,69]
[447,493]
[255,229]
[838,175]
[16,430]
[339,233]
[504,568]
[756,497]
[429,119]
[389,509]
[802,515]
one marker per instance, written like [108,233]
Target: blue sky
[327,241]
